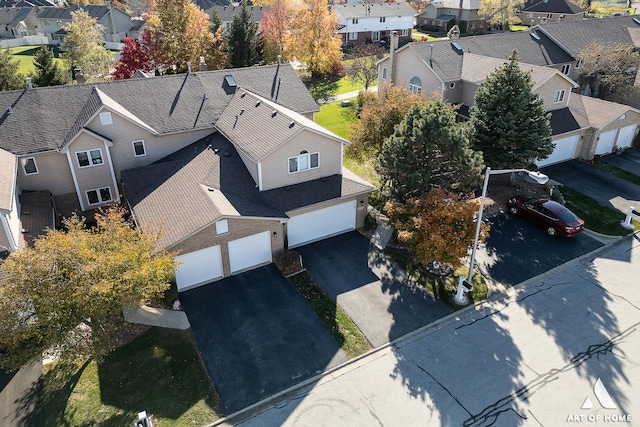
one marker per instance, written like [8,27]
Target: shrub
[289,262]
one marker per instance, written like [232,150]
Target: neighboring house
[360,23]
[441,15]
[229,163]
[25,3]
[117,23]
[229,11]
[16,22]
[581,127]
[540,11]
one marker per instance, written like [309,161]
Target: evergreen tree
[510,124]
[9,77]
[428,149]
[48,73]
[244,43]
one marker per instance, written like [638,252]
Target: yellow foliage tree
[501,12]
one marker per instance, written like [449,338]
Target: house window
[106,119]
[222,226]
[415,85]
[579,63]
[405,32]
[353,36]
[29,166]
[59,22]
[139,149]
[560,96]
[549,15]
[89,158]
[304,161]
[354,21]
[100,195]
[384,73]
[566,68]
[375,36]
[383,18]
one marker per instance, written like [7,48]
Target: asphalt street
[558,349]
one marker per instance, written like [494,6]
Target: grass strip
[620,173]
[339,325]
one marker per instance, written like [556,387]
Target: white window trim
[579,63]
[144,148]
[415,88]
[560,96]
[384,73]
[405,32]
[24,164]
[383,19]
[88,152]
[567,67]
[298,157]
[375,36]
[106,119]
[100,201]
[353,36]
[354,21]
[222,227]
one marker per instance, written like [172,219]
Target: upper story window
[579,63]
[384,73]
[222,227]
[405,32]
[106,119]
[415,85]
[89,158]
[353,36]
[549,15]
[59,22]
[304,161]
[566,68]
[29,166]
[560,95]
[100,195]
[354,21]
[383,18]
[139,149]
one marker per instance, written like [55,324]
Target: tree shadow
[322,89]
[61,381]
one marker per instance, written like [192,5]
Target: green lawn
[337,323]
[336,118]
[159,372]
[24,56]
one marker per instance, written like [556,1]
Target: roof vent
[29,85]
[9,110]
[243,94]
[211,189]
[291,124]
[457,46]
[241,111]
[535,36]
[273,113]
[231,82]
[258,104]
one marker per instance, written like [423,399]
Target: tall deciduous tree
[501,12]
[85,45]
[510,124]
[62,292]
[363,68]
[438,225]
[48,73]
[132,58]
[9,77]
[606,69]
[313,37]
[380,114]
[429,148]
[274,28]
[243,41]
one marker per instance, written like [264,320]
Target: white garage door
[199,267]
[321,224]
[565,149]
[250,251]
[625,136]
[605,143]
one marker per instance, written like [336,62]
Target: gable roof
[350,11]
[12,16]
[257,126]
[552,6]
[595,112]
[64,13]
[228,11]
[167,104]
[24,3]
[8,169]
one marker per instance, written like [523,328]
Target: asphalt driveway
[257,336]
[608,189]
[378,296]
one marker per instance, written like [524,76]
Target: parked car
[556,218]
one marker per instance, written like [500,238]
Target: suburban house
[441,15]
[228,11]
[16,22]
[228,163]
[373,22]
[582,127]
[540,11]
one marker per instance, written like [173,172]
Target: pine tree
[244,43]
[9,77]
[510,124]
[48,73]
[429,149]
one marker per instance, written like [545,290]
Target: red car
[556,218]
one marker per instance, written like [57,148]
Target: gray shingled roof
[97,12]
[11,16]
[228,11]
[42,118]
[551,6]
[595,112]
[563,121]
[349,11]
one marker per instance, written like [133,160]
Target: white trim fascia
[12,243]
[341,159]
[113,174]
[75,179]
[259,163]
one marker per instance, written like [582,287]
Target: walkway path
[160,317]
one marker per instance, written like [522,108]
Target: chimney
[203,65]
[188,67]
[80,78]
[29,85]
[279,58]
[393,46]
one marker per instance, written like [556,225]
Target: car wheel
[551,231]
[513,210]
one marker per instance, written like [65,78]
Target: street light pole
[464,285]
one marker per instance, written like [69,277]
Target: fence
[24,41]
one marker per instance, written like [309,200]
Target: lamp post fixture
[464,284]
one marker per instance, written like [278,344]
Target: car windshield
[567,216]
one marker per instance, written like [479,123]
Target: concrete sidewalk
[160,317]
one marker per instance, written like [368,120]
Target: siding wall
[92,177]
[238,228]
[275,168]
[549,89]
[53,174]
[251,167]
[408,65]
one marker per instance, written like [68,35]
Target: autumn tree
[274,27]
[438,225]
[501,12]
[132,58]
[607,69]
[244,43]
[428,149]
[363,68]
[313,37]
[63,292]
[84,44]
[9,77]
[510,124]
[380,114]
[47,73]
